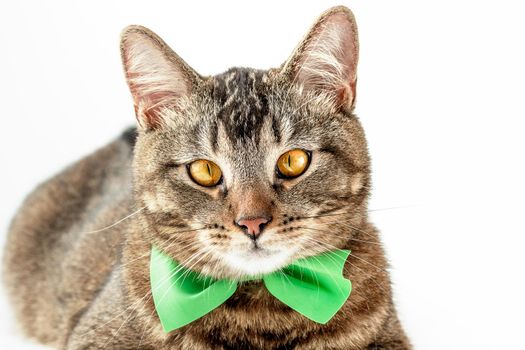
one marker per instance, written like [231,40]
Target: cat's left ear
[158,78]
[325,62]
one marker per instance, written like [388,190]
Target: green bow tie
[313,286]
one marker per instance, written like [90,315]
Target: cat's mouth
[258,260]
[258,251]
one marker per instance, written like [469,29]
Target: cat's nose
[253,226]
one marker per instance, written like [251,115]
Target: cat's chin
[258,261]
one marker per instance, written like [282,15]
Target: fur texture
[77,256]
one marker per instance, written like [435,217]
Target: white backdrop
[440,94]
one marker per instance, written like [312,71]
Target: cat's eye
[293,163]
[205,173]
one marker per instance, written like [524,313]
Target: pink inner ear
[155,79]
[348,44]
[148,101]
[151,113]
[329,61]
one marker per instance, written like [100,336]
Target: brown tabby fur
[77,286]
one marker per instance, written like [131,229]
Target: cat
[232,175]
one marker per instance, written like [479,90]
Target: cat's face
[242,173]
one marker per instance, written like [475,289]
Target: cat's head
[243,172]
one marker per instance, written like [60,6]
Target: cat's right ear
[158,78]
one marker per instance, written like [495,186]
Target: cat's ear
[158,78]
[326,60]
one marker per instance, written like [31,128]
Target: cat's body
[79,275]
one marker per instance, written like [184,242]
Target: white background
[440,94]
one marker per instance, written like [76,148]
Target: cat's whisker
[150,293]
[327,215]
[345,223]
[116,316]
[322,247]
[115,223]
[357,214]
[369,263]
[205,225]
[181,267]
[146,326]
[322,244]
[329,274]
[151,317]
[204,254]
[318,243]
[122,325]
[354,255]
[363,241]
[139,301]
[165,245]
[329,232]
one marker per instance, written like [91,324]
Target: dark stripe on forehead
[243,105]
[276,128]
[214,131]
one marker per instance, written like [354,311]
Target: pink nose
[253,226]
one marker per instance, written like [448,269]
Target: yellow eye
[205,173]
[293,163]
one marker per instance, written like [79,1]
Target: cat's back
[56,256]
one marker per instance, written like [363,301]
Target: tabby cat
[233,175]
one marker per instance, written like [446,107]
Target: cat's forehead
[241,103]
[248,114]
